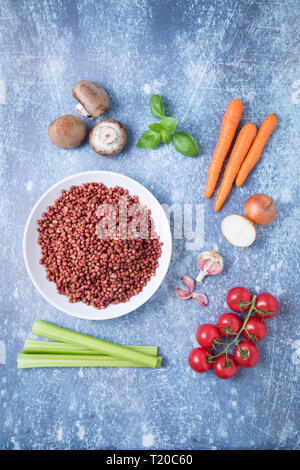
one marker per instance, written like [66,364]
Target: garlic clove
[189,282]
[183,294]
[200,298]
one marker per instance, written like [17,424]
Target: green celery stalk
[54,347]
[28,361]
[58,333]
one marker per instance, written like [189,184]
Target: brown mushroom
[108,137]
[93,100]
[67,131]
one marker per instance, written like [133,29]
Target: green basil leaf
[169,124]
[155,127]
[185,144]
[165,137]
[157,106]
[149,140]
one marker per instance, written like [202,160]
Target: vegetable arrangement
[229,325]
[245,153]
[107,138]
[165,131]
[79,350]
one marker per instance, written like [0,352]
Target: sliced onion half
[238,230]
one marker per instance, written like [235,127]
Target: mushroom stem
[81,110]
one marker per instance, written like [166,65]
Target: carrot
[264,132]
[239,151]
[229,125]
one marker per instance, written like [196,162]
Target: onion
[260,209]
[238,230]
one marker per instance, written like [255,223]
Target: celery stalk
[58,333]
[28,361]
[54,347]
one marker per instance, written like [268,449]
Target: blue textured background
[198,55]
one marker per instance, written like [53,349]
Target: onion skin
[260,209]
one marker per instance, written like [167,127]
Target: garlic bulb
[210,263]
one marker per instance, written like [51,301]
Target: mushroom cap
[108,137]
[93,99]
[67,131]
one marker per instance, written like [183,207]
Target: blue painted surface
[198,55]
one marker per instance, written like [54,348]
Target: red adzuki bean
[88,267]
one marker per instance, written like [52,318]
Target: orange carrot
[264,132]
[239,151]
[229,125]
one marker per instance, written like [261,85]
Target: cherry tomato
[197,360]
[207,335]
[224,368]
[246,354]
[256,327]
[229,324]
[268,303]
[238,294]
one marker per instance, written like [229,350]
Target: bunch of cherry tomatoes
[229,325]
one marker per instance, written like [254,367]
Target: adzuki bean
[93,267]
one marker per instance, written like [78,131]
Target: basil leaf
[149,140]
[185,144]
[157,106]
[165,137]
[169,124]
[155,127]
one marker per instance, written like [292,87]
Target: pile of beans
[98,268]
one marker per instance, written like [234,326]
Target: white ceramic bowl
[32,254]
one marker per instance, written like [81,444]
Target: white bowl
[32,254]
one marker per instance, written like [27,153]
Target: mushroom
[67,131]
[93,100]
[108,137]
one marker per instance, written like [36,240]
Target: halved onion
[238,230]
